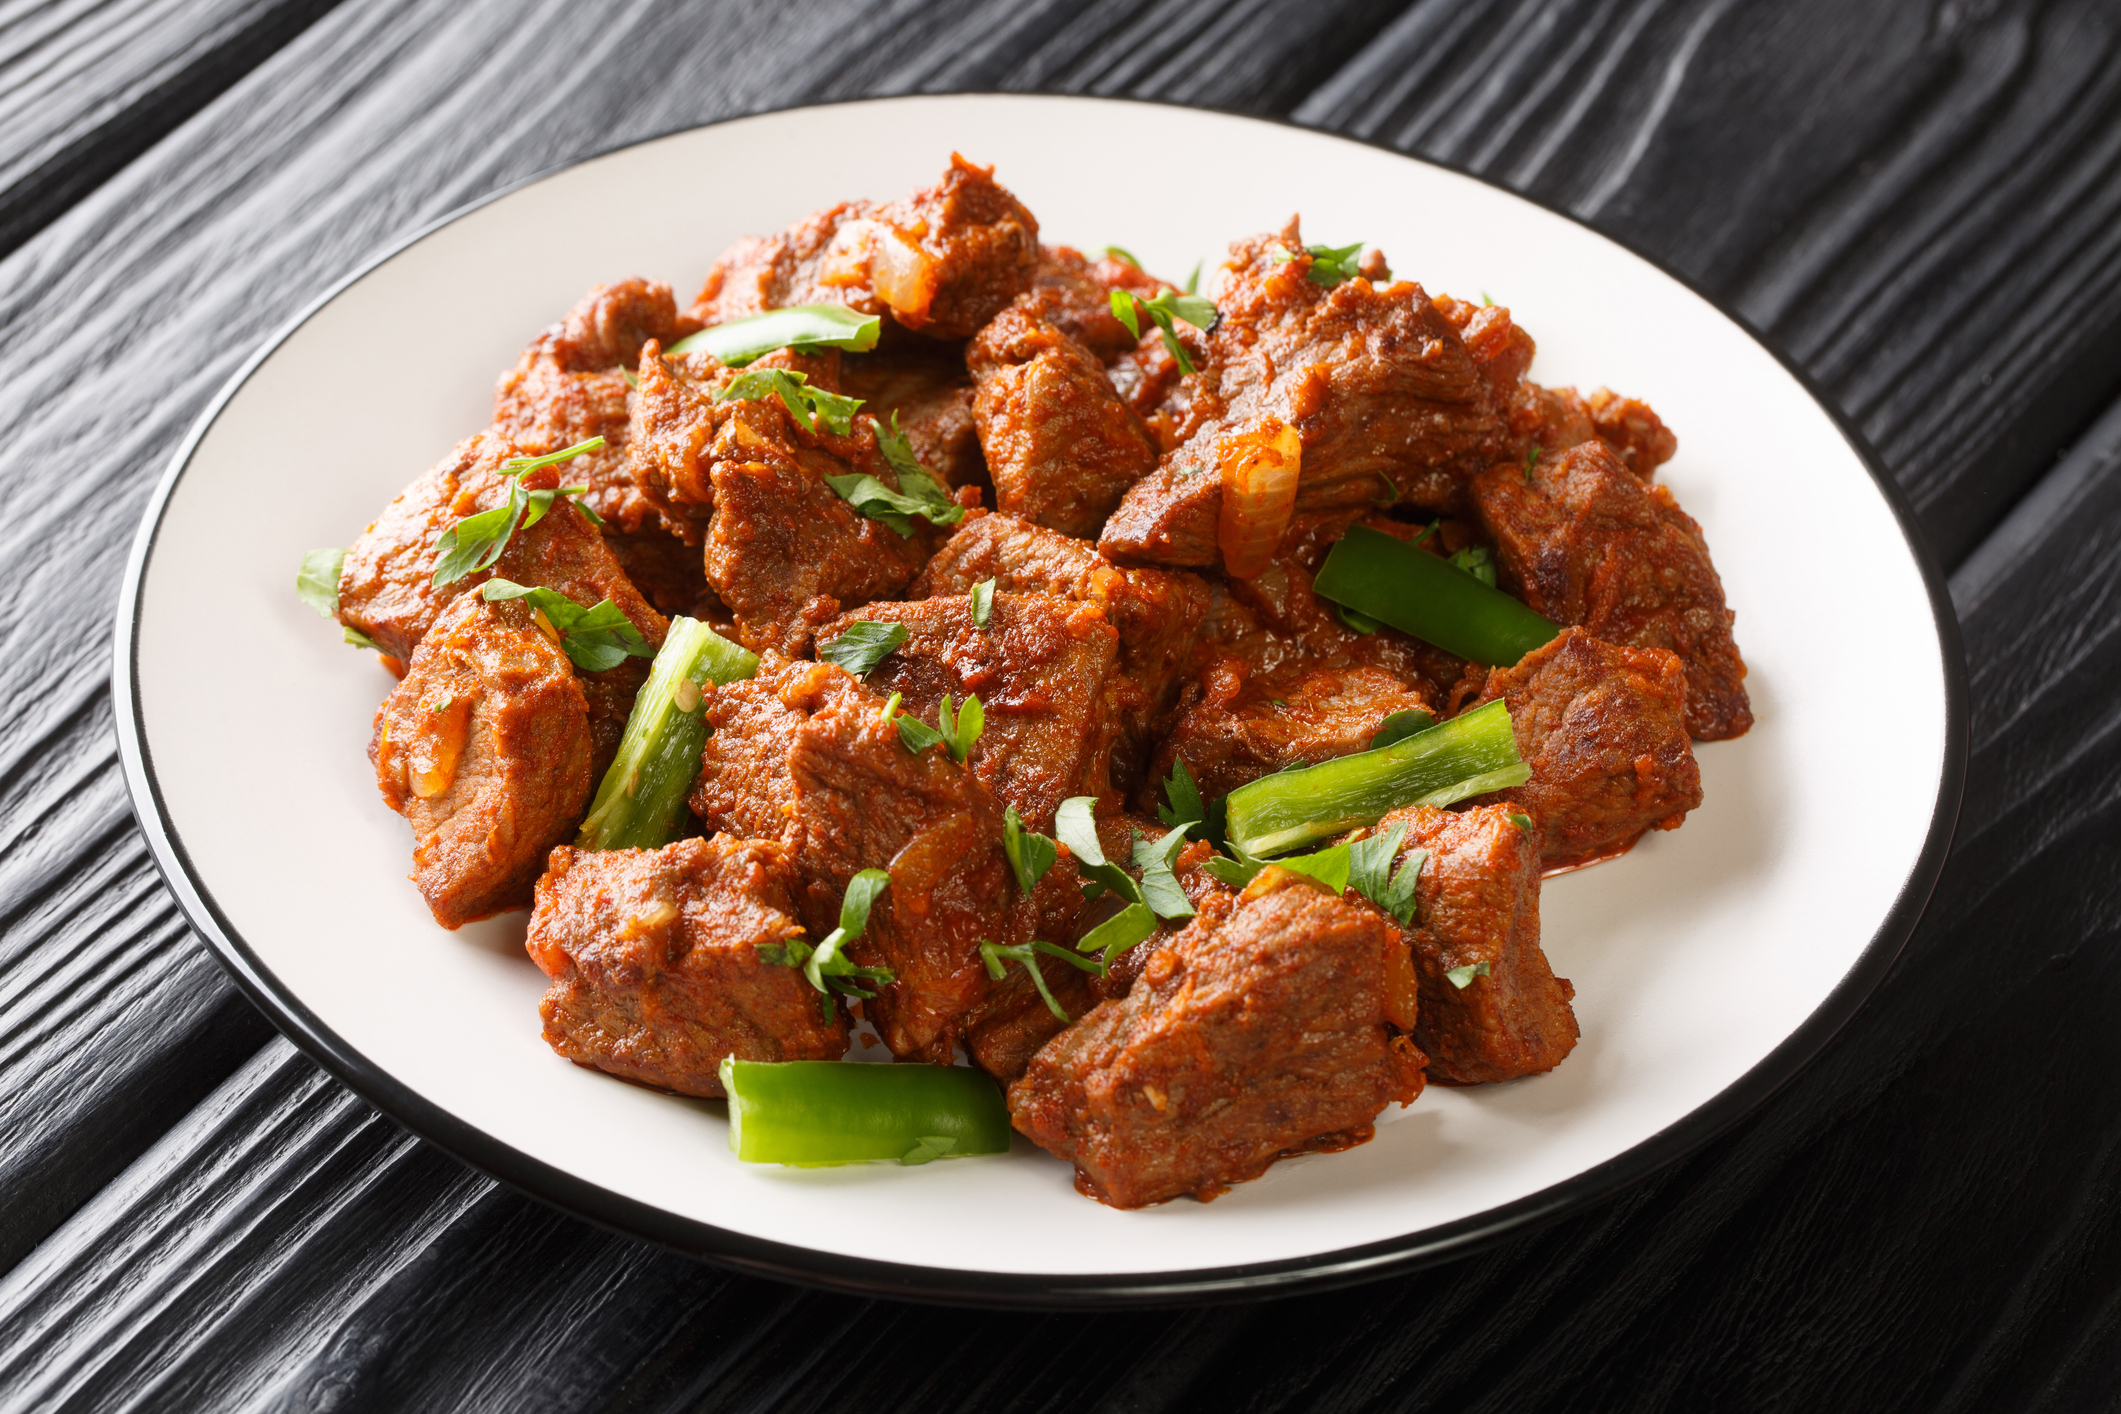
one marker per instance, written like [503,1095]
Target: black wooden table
[1920,203]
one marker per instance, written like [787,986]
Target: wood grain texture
[1910,199]
[88,85]
[1920,203]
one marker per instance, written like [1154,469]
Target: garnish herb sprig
[595,638]
[825,964]
[1330,264]
[865,644]
[960,727]
[982,602]
[1183,805]
[1130,309]
[1076,826]
[919,493]
[807,405]
[1030,853]
[317,585]
[476,541]
[997,955]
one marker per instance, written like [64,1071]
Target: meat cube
[1046,673]
[484,747]
[668,572]
[655,963]
[1012,1021]
[1478,903]
[1633,430]
[570,385]
[386,585]
[1060,444]
[1258,1032]
[924,386]
[1242,728]
[1074,294]
[1157,613]
[1584,541]
[1604,730]
[944,261]
[1390,404]
[802,754]
[784,551]
[744,787]
[862,801]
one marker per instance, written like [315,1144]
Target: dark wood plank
[283,1244]
[1920,203]
[88,85]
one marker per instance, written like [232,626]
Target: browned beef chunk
[655,965]
[1389,402]
[1046,672]
[925,386]
[945,260]
[484,747]
[1479,904]
[570,385]
[863,801]
[1157,613]
[1604,730]
[1061,446]
[1240,729]
[1012,1021]
[668,572]
[1584,541]
[1074,294]
[386,586]
[784,551]
[1259,1031]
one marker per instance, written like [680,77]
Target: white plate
[1708,964]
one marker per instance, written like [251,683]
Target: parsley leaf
[1329,866]
[1329,264]
[1162,311]
[807,405]
[983,602]
[960,727]
[1160,887]
[476,541]
[994,955]
[317,585]
[1076,827]
[919,494]
[1521,821]
[1370,873]
[595,638]
[798,326]
[825,965]
[1185,803]
[1121,253]
[917,735]
[1030,853]
[1119,932]
[1398,726]
[1193,280]
[863,646]
[1462,977]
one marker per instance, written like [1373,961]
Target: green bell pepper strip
[799,326]
[810,1113]
[1471,754]
[1419,593]
[637,804]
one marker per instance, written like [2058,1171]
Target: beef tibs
[817,754]
[1046,673]
[1060,444]
[923,388]
[1584,541]
[1389,403]
[656,968]
[784,551]
[1478,914]
[1157,613]
[570,385]
[1604,731]
[484,747]
[944,261]
[1241,729]
[1264,1029]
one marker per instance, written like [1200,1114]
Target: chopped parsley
[807,405]
[1030,853]
[1462,977]
[1163,311]
[596,638]
[317,585]
[826,965]
[983,602]
[476,542]
[919,493]
[996,954]
[1370,873]
[863,646]
[960,728]
[1330,264]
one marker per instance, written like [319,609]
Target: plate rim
[872,1277]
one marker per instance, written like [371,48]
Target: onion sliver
[1259,467]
